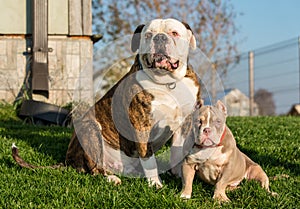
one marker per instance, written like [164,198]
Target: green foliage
[273,142]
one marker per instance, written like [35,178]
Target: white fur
[116,161]
[175,103]
[150,168]
[177,47]
[14,145]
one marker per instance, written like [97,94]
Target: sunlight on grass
[273,142]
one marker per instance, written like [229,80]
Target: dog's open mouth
[161,61]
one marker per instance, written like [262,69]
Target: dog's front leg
[150,169]
[177,153]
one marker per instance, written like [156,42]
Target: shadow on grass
[266,160]
[53,141]
[49,140]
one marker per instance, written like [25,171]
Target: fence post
[299,65]
[213,83]
[251,82]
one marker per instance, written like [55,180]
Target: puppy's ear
[136,38]
[193,44]
[221,107]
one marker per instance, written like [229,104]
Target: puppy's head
[163,46]
[209,124]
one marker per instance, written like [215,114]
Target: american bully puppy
[215,156]
[146,108]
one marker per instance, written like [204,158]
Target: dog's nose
[160,38]
[206,130]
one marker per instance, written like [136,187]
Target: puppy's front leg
[150,169]
[188,174]
[219,193]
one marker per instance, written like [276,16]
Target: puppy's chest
[209,162]
[172,102]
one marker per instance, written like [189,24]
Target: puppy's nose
[160,38]
[206,130]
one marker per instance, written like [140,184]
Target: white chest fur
[171,103]
[209,162]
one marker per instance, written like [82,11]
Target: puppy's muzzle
[207,131]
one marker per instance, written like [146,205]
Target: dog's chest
[172,102]
[209,162]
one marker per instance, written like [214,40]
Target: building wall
[237,104]
[70,62]
[19,12]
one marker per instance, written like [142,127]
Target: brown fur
[98,124]
[139,115]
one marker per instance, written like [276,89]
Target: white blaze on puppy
[208,119]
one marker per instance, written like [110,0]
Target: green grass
[273,142]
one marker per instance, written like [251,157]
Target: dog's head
[209,123]
[163,46]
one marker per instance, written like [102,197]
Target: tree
[265,102]
[211,20]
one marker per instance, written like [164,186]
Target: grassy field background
[273,142]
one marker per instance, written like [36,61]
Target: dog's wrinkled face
[163,48]
[209,124]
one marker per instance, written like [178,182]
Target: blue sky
[266,22]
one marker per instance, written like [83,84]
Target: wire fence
[276,70]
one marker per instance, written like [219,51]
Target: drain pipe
[40,74]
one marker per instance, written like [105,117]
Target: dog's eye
[148,35]
[175,33]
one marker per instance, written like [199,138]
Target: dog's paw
[113,179]
[185,196]
[155,181]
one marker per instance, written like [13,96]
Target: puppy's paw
[185,196]
[274,194]
[114,179]
[221,198]
[155,181]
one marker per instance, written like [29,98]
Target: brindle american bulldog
[146,108]
[215,156]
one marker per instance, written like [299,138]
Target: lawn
[273,142]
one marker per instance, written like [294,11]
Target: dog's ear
[193,44]
[136,38]
[221,107]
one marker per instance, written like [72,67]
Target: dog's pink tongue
[162,64]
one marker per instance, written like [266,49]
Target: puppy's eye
[199,123]
[148,35]
[218,122]
[175,33]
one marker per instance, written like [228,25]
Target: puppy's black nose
[206,130]
[160,38]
